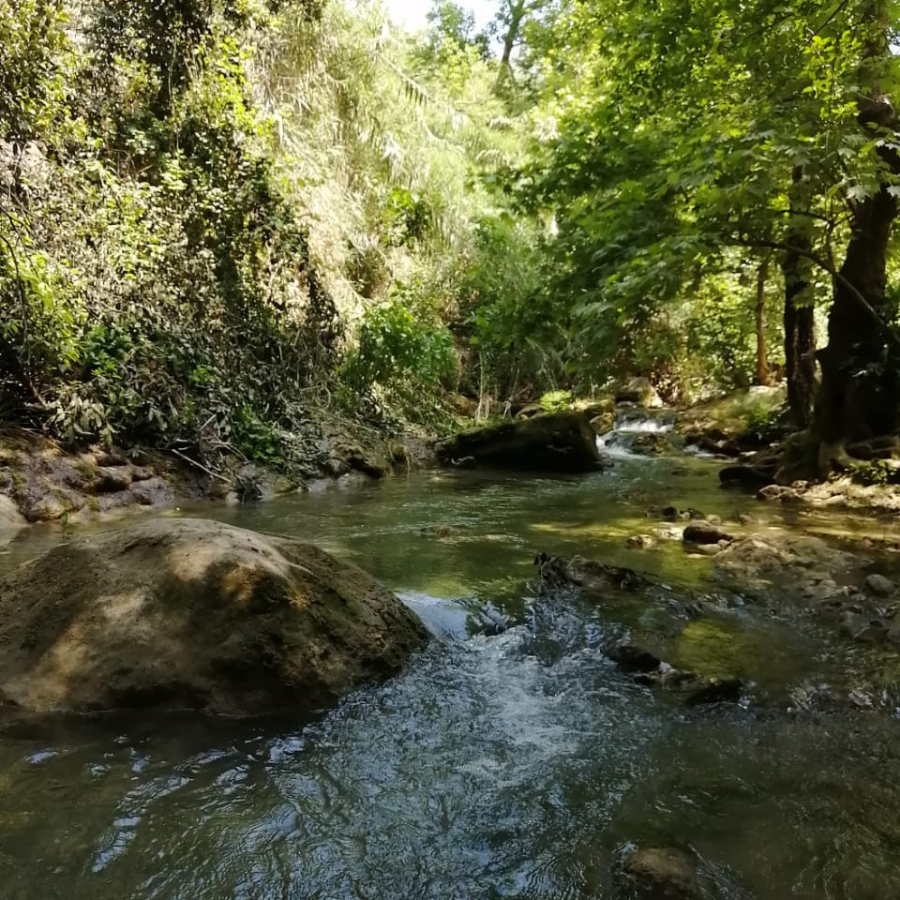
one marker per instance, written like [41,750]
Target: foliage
[766,425]
[512,327]
[676,133]
[216,213]
[557,401]
[878,472]
[399,357]
[159,285]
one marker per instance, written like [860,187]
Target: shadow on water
[499,765]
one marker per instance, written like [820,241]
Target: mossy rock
[564,442]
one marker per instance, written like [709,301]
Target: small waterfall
[629,423]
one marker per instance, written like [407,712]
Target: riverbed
[509,760]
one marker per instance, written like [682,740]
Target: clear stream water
[516,765]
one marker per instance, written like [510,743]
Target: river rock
[601,406]
[195,614]
[464,406]
[640,542]
[640,391]
[705,533]
[11,520]
[779,494]
[564,442]
[880,586]
[632,658]
[604,423]
[790,567]
[656,873]
[10,517]
[112,479]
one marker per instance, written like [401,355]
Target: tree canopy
[198,190]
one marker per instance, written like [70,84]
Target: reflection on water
[510,765]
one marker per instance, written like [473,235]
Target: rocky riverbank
[40,481]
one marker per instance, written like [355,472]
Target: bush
[158,286]
[557,401]
[399,362]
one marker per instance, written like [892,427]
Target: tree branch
[834,273]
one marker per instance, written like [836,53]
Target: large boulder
[564,442]
[195,614]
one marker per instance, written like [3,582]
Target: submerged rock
[706,533]
[716,690]
[652,444]
[586,574]
[656,873]
[632,658]
[195,614]
[797,568]
[694,689]
[564,442]
[749,477]
[641,542]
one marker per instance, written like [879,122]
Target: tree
[685,130]
[509,24]
[452,27]
[860,379]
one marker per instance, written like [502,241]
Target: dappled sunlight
[516,694]
[290,266]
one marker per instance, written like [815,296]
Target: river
[517,764]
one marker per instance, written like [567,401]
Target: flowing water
[518,764]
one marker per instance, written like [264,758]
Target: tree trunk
[799,355]
[860,388]
[799,315]
[516,15]
[509,43]
[762,362]
[858,399]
